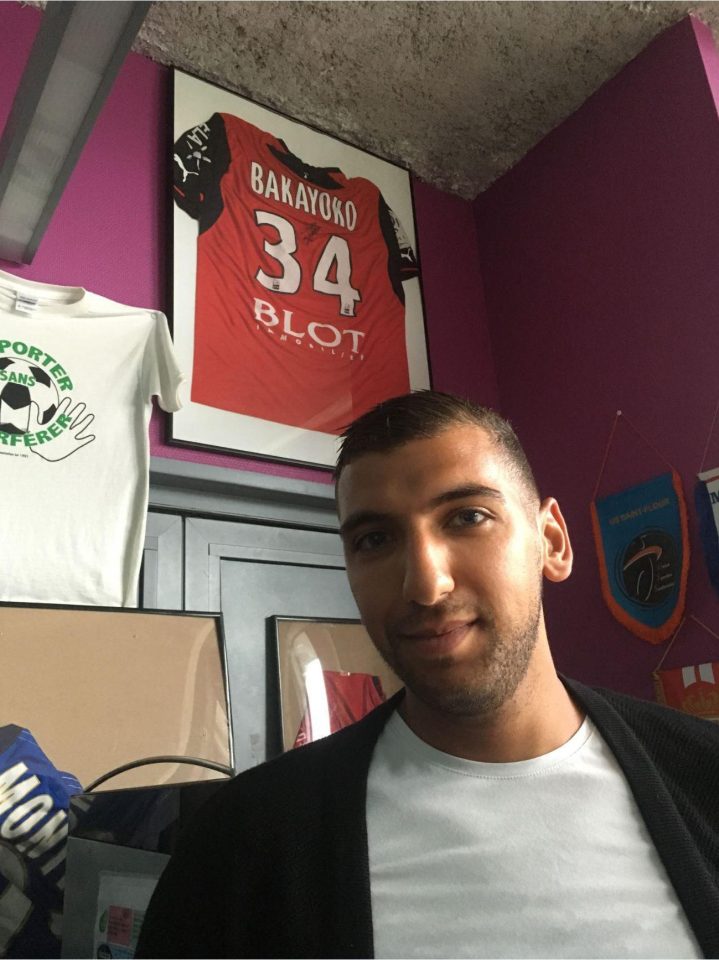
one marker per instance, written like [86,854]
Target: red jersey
[350,696]
[299,311]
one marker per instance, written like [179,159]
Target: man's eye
[469,517]
[370,541]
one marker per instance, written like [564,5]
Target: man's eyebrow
[362,517]
[467,490]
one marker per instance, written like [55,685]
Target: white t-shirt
[546,857]
[77,374]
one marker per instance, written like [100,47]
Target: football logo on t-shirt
[34,416]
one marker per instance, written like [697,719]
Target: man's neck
[539,718]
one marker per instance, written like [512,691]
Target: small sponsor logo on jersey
[314,335]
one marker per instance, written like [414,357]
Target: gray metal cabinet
[162,563]
[250,547]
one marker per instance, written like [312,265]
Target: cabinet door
[209,542]
[162,563]
[251,593]
[251,572]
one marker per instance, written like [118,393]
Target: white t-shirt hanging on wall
[77,375]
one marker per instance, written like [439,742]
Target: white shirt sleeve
[161,374]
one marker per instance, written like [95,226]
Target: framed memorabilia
[103,690]
[330,675]
[296,300]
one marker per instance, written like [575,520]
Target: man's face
[444,555]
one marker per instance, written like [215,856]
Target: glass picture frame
[330,675]
[296,283]
[119,697]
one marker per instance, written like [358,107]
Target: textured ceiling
[456,91]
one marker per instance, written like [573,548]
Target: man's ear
[557,550]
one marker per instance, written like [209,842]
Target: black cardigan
[276,863]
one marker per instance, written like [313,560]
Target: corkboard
[100,688]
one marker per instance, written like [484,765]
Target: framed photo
[113,688]
[330,675]
[296,300]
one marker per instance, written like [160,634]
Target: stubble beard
[488,685]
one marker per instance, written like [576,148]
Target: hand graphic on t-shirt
[72,438]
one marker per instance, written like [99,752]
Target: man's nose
[427,573]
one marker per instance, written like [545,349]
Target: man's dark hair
[422,415]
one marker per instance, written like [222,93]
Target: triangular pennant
[642,542]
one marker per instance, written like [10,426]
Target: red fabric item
[350,696]
[693,689]
[296,318]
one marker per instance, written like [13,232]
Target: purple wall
[599,261]
[109,232]
[459,346]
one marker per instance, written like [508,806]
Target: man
[492,809]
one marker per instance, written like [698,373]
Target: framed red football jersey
[329,674]
[306,280]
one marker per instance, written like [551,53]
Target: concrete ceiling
[456,91]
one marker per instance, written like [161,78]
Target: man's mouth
[440,640]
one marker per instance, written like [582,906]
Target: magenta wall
[109,232]
[599,256]
[460,349]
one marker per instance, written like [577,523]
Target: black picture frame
[329,674]
[204,425]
